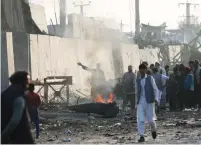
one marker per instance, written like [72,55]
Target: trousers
[145,112]
[129,98]
[35,119]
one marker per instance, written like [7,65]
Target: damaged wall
[51,55]
[17,17]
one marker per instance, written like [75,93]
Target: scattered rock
[109,134]
[91,118]
[42,129]
[168,124]
[66,140]
[117,124]
[100,126]
[67,132]
[50,139]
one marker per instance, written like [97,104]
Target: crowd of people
[152,87]
[179,88]
[155,87]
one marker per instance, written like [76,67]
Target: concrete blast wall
[52,56]
[7,59]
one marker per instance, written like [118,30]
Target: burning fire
[99,99]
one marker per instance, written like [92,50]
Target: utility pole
[82,5]
[62,5]
[122,26]
[188,12]
[137,17]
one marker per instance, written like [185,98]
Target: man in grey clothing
[128,82]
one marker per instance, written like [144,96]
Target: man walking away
[15,127]
[33,102]
[128,82]
[172,90]
[146,91]
[198,82]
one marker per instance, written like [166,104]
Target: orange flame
[110,98]
[99,99]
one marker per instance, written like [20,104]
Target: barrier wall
[132,55]
[7,59]
[52,56]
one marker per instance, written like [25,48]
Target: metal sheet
[13,15]
[7,59]
[21,51]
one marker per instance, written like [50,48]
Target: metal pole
[81,10]
[188,15]
[62,15]
[137,17]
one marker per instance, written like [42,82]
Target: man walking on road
[146,91]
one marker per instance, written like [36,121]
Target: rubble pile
[64,126]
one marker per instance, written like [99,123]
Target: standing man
[160,80]
[97,79]
[151,66]
[192,65]
[149,70]
[146,91]
[33,102]
[160,69]
[197,74]
[189,88]
[15,127]
[167,67]
[128,82]
[180,77]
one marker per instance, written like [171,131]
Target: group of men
[155,85]
[141,90]
[188,80]
[19,107]
[151,86]
[146,88]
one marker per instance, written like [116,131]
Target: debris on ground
[64,126]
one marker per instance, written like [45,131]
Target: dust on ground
[59,125]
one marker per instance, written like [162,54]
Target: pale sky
[154,12]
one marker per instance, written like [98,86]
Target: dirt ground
[62,126]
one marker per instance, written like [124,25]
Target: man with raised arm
[97,78]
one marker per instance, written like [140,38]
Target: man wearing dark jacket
[15,127]
[128,83]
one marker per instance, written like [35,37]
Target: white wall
[59,56]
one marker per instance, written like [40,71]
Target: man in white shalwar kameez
[146,92]
[160,81]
